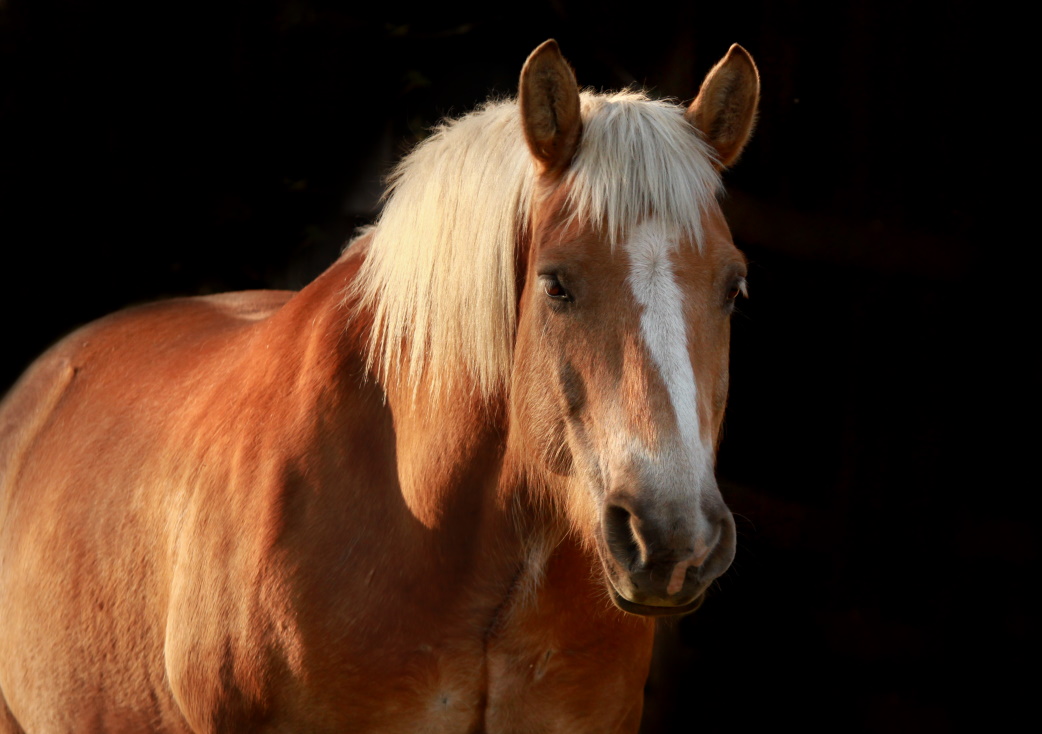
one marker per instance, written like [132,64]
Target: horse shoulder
[271,528]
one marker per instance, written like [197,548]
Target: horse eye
[553,288]
[737,288]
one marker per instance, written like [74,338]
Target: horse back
[118,360]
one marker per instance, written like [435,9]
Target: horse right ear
[549,99]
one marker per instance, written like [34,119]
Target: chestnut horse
[444,488]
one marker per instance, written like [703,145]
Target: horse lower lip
[648,610]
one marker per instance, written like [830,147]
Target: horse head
[630,277]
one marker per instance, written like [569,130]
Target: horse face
[624,352]
[621,361]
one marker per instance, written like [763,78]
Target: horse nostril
[618,529]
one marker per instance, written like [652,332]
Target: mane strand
[439,275]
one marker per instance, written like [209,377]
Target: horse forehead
[659,257]
[692,265]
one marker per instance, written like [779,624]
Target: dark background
[884,382]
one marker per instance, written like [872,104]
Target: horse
[448,486]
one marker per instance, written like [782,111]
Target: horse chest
[562,669]
[513,684]
[556,658]
[439,690]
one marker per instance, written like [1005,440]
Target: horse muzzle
[659,560]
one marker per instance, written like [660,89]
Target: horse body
[201,582]
[227,514]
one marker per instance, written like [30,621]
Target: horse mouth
[650,610]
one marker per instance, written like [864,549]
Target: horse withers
[446,487]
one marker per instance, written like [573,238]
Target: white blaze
[682,468]
[664,329]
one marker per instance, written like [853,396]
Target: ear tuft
[725,108]
[549,100]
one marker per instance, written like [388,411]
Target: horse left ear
[549,98]
[725,108]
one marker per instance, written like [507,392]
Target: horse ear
[549,100]
[725,108]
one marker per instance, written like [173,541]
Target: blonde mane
[440,276]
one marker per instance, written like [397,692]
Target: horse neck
[448,454]
[446,451]
[459,477]
[464,504]
[455,471]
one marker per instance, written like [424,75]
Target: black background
[883,376]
